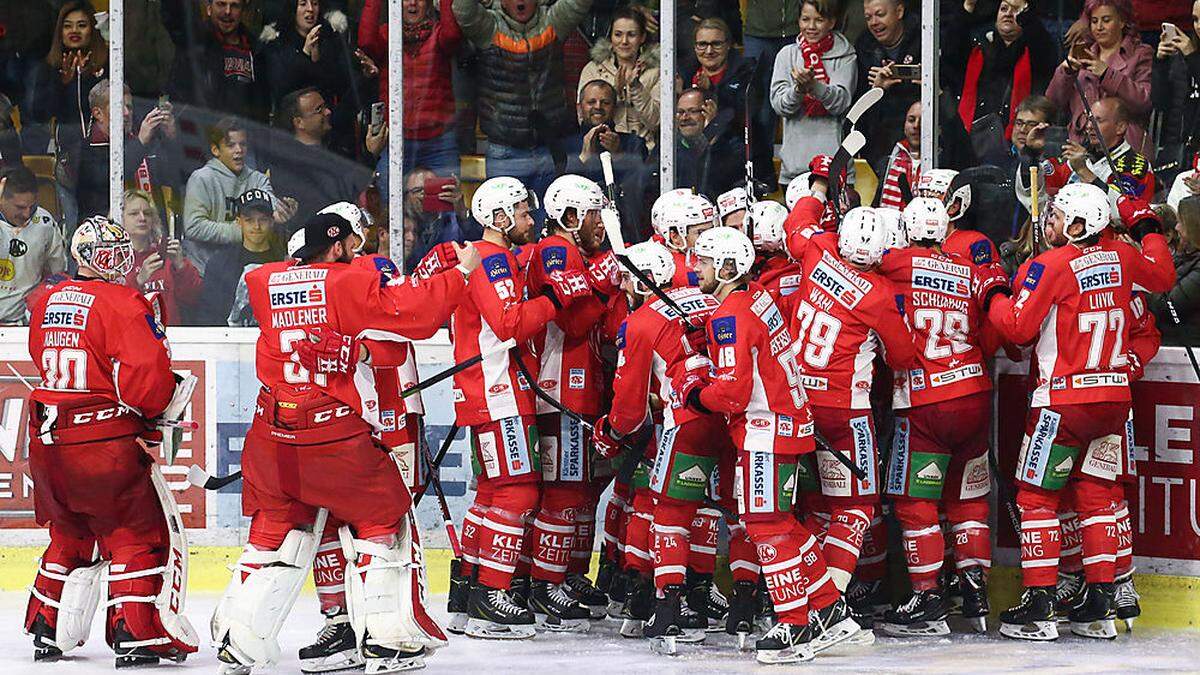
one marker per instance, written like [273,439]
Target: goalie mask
[500,194]
[765,219]
[724,245]
[573,192]
[358,219]
[947,186]
[653,259]
[104,247]
[1084,209]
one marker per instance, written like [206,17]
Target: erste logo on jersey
[943,277]
[61,315]
[1097,270]
[303,294]
[764,308]
[839,282]
[496,267]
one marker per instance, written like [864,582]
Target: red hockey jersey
[973,246]
[496,309]
[779,275]
[654,353]
[569,357]
[1076,303]
[943,301]
[288,298]
[94,339]
[757,383]
[839,318]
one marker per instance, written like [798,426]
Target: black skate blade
[125,661]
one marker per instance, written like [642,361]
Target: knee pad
[522,498]
[959,511]
[76,603]
[1091,495]
[387,592]
[567,498]
[264,586]
[915,513]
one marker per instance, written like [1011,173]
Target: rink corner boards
[1167,601]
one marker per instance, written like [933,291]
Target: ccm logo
[326,415]
[96,415]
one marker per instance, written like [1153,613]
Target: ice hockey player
[732,207]
[757,387]
[655,351]
[1075,305]
[569,373]
[945,299]
[315,422]
[778,273]
[842,314]
[954,191]
[106,384]
[679,217]
[496,403]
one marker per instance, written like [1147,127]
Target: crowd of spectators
[243,118]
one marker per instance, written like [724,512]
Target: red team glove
[439,259]
[564,288]
[604,273]
[819,166]
[1133,367]
[992,281]
[603,439]
[1138,217]
[327,352]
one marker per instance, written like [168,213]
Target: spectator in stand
[220,69]
[705,145]
[892,37]
[424,229]
[521,106]
[27,28]
[306,51]
[728,78]
[1186,295]
[1111,62]
[997,70]
[31,244]
[257,243]
[630,65]
[10,138]
[1035,110]
[302,166]
[210,200]
[772,25]
[150,156]
[688,16]
[903,168]
[159,265]
[812,87]
[1175,88]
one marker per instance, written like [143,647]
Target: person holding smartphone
[434,213]
[159,265]
[1175,86]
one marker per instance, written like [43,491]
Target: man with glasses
[708,153]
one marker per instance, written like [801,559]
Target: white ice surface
[604,651]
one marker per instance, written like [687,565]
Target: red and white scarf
[812,55]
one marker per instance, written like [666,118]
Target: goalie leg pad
[78,595]
[387,593]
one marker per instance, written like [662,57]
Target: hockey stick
[864,103]
[436,466]
[750,198]
[1186,347]
[1094,127]
[433,478]
[851,146]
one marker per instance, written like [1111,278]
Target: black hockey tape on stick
[1006,497]
[203,479]
[1186,347]
[457,368]
[436,465]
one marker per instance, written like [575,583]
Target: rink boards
[1163,500]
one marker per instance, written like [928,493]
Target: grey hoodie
[805,136]
[208,208]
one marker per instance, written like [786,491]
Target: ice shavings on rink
[603,650]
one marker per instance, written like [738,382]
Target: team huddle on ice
[720,371]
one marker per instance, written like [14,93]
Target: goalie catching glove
[327,351]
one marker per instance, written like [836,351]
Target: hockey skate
[833,625]
[742,607]
[607,572]
[693,624]
[518,590]
[1067,592]
[952,597]
[639,603]
[784,643]
[1094,616]
[764,617]
[136,656]
[923,614]
[867,601]
[336,648]
[495,616]
[588,595]
[380,659]
[1126,600]
[618,590]
[555,610]
[1032,618]
[975,607]
[44,648]
[456,600]
[704,598]
[663,628]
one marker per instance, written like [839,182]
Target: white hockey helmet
[683,212]
[655,260]
[501,193]
[925,219]
[357,218]
[731,201]
[766,220]
[571,191]
[897,237]
[724,245]
[862,236]
[938,183]
[103,246]
[661,204]
[1082,202]
[797,189]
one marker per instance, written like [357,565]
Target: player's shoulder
[556,254]
[496,263]
[265,270]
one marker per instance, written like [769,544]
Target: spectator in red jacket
[431,39]
[173,277]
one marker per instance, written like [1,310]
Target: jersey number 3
[294,373]
[64,369]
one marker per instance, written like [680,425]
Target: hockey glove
[606,441]
[992,281]
[604,273]
[1138,217]
[1133,367]
[564,288]
[439,259]
[819,166]
[688,388]
[327,352]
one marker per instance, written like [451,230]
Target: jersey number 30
[64,369]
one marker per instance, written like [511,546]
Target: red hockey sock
[329,573]
[924,551]
[970,533]
[872,560]
[843,541]
[614,521]
[703,540]
[1124,538]
[813,511]
[553,537]
[637,534]
[585,537]
[1071,559]
[1097,527]
[793,567]
[743,558]
[1041,541]
[670,531]
[472,521]
[502,539]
